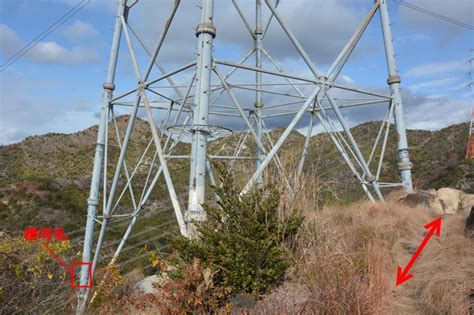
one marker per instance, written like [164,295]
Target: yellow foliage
[154,259]
[113,280]
[27,267]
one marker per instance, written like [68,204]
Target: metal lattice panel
[188,103]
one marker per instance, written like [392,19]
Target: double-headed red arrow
[403,274]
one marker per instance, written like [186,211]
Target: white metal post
[93,200]
[205,33]
[404,164]
[258,83]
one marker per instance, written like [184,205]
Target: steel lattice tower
[470,139]
[183,111]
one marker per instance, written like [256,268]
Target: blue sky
[56,87]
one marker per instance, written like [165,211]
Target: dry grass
[444,275]
[349,256]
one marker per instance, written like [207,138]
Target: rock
[449,199]
[470,224]
[133,276]
[148,284]
[467,202]
[441,202]
[419,198]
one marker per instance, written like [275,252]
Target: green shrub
[243,239]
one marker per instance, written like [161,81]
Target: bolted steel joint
[206,28]
[393,79]
[315,110]
[109,86]
[141,87]
[92,202]
[403,166]
[371,178]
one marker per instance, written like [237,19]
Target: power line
[78,7]
[434,14]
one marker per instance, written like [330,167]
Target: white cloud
[316,24]
[347,80]
[52,52]
[9,41]
[447,84]
[437,113]
[38,111]
[79,30]
[434,112]
[436,68]
[11,135]
[110,6]
[435,83]
[461,10]
[322,27]
[45,51]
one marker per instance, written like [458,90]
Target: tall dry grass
[348,257]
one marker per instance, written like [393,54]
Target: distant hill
[44,180]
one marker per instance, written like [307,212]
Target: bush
[243,239]
[246,244]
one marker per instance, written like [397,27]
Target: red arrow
[403,274]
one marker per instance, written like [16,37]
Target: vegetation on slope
[242,237]
[42,168]
[349,256]
[44,180]
[345,262]
[31,280]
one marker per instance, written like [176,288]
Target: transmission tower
[470,139]
[203,107]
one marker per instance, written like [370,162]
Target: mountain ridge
[58,166]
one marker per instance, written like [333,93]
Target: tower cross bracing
[212,96]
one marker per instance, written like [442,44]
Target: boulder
[443,201]
[448,199]
[467,202]
[419,198]
[133,276]
[148,284]
[470,224]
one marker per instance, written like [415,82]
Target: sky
[57,85]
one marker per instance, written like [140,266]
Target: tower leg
[404,163]
[258,83]
[305,147]
[197,181]
[93,200]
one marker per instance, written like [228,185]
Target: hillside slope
[44,182]
[45,179]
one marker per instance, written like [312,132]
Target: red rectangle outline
[78,286]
